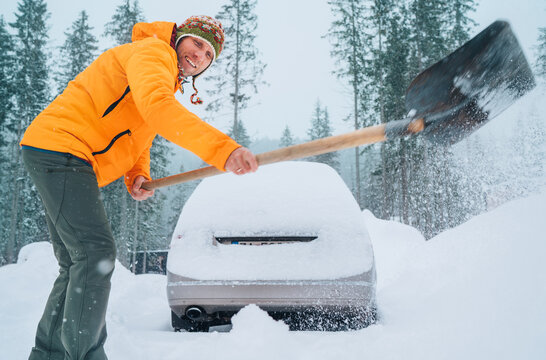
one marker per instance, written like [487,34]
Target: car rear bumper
[290,295]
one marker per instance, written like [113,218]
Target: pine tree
[380,17]
[287,139]
[428,38]
[7,88]
[78,51]
[238,132]
[7,67]
[239,70]
[541,55]
[350,46]
[120,27]
[396,68]
[27,219]
[379,20]
[394,154]
[316,131]
[321,128]
[458,22]
[407,38]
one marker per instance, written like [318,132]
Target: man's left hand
[137,192]
[241,161]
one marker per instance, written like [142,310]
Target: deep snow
[474,292]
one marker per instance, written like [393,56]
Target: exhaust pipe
[195,313]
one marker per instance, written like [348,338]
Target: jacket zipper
[108,111]
[126,132]
[115,103]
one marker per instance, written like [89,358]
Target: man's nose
[199,54]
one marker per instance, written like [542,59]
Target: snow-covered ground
[474,292]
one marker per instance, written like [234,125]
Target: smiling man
[100,129]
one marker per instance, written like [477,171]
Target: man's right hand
[138,192]
[241,161]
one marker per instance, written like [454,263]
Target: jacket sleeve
[151,72]
[142,167]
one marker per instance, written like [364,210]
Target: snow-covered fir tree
[428,39]
[379,19]
[394,157]
[350,47]
[32,94]
[458,22]
[238,132]
[237,76]
[416,180]
[77,52]
[388,72]
[321,127]
[120,27]
[287,139]
[7,72]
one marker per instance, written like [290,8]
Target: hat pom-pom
[196,100]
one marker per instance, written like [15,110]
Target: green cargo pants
[73,324]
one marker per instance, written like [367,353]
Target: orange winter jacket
[110,113]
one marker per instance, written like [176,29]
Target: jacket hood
[162,30]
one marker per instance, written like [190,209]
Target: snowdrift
[474,292]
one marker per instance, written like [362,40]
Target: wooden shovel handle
[369,135]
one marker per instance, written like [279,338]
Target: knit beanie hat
[207,29]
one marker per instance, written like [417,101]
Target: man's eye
[197,43]
[209,55]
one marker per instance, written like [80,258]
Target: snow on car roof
[285,199]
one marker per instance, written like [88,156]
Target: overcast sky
[290,39]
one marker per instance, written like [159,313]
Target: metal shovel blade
[472,85]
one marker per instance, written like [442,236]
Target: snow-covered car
[289,238]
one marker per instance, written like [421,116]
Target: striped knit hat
[207,29]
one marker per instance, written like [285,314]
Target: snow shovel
[446,102]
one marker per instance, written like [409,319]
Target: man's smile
[190,62]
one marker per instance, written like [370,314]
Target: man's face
[194,55]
